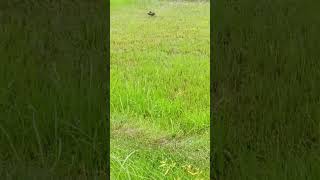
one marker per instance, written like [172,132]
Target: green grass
[53,90]
[160,91]
[266,90]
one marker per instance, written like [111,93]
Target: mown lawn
[160,91]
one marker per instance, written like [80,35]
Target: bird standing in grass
[150,13]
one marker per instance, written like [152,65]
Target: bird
[150,13]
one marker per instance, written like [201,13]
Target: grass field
[53,90]
[160,90]
[266,90]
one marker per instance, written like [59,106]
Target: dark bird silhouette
[151,13]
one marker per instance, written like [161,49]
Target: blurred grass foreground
[266,89]
[53,89]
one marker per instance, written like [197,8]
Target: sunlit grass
[160,91]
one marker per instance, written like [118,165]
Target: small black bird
[151,13]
